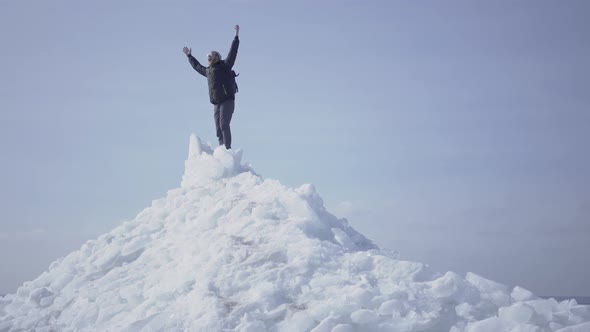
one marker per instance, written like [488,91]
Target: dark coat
[219,76]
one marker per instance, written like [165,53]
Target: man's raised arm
[194,62]
[233,50]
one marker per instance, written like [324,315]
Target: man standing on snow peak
[222,87]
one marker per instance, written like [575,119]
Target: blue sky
[453,132]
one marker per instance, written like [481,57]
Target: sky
[454,132]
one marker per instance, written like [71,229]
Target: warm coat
[219,76]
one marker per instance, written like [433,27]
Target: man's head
[213,57]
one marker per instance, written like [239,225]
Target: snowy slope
[230,251]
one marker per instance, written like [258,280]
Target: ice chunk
[61,280]
[364,316]
[397,325]
[584,327]
[520,294]
[42,296]
[134,245]
[343,239]
[485,285]
[327,324]
[494,291]
[555,326]
[526,328]
[465,310]
[360,296]
[194,146]
[447,286]
[342,328]
[493,324]
[226,159]
[582,311]
[392,307]
[519,313]
[256,326]
[205,164]
[544,308]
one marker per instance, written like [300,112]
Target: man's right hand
[187,51]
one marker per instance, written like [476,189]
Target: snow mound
[205,164]
[230,251]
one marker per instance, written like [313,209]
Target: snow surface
[231,251]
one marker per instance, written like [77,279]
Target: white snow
[231,251]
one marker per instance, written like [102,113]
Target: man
[222,89]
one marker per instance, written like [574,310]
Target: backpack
[234,75]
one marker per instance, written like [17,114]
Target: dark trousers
[222,115]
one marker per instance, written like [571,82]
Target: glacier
[231,251]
